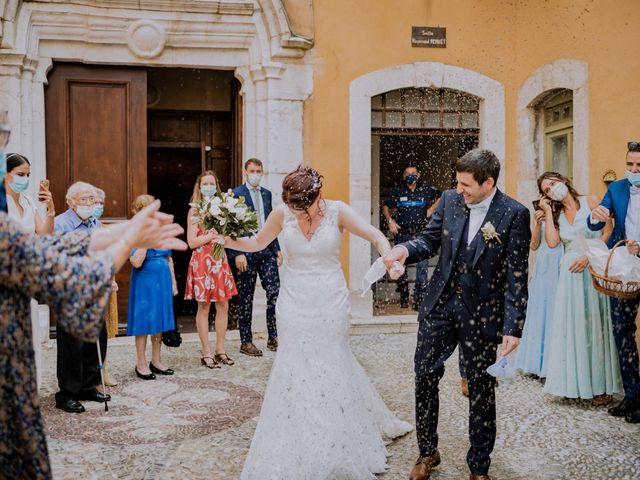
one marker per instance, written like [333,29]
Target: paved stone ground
[198,424]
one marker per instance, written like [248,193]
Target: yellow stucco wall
[504,40]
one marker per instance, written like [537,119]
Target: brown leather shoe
[423,467]
[272,344]
[479,477]
[464,387]
[250,349]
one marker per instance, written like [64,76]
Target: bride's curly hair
[301,188]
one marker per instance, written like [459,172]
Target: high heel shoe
[149,376]
[223,358]
[155,369]
[212,364]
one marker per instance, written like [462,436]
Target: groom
[476,297]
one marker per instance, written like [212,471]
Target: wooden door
[96,132]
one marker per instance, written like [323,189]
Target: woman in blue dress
[582,360]
[151,292]
[534,346]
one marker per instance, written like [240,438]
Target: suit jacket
[617,201]
[243,191]
[495,290]
[3,198]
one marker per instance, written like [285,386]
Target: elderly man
[77,369]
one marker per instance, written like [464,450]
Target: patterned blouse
[55,270]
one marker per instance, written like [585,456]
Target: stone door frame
[414,75]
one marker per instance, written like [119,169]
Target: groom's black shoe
[479,477]
[423,467]
[627,406]
[633,417]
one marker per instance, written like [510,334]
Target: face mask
[558,192]
[411,179]
[634,178]
[98,210]
[254,179]
[19,184]
[3,166]
[208,190]
[84,211]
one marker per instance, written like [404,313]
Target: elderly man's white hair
[100,193]
[78,187]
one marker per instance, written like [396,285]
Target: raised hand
[150,228]
[600,214]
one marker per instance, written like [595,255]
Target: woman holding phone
[20,207]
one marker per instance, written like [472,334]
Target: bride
[321,418]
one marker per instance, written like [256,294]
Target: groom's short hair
[482,164]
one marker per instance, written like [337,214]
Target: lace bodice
[318,255]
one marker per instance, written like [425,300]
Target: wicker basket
[611,286]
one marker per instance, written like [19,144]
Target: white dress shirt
[256,197]
[477,214]
[27,221]
[632,220]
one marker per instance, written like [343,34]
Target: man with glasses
[77,369]
[622,201]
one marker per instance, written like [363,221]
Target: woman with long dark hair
[321,416]
[21,208]
[582,361]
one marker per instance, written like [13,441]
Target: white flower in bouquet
[226,215]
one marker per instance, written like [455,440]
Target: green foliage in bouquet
[227,215]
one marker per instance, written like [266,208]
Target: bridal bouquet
[225,214]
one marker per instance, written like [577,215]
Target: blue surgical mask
[3,166]
[634,178]
[19,183]
[98,210]
[411,179]
[208,190]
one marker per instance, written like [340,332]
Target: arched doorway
[429,128]
[362,179]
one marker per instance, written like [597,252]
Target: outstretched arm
[350,220]
[268,233]
[600,213]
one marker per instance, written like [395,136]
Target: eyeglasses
[633,146]
[86,200]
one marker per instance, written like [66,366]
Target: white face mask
[558,192]
[254,179]
[84,211]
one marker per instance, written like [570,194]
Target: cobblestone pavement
[198,424]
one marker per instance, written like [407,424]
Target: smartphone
[44,184]
[536,205]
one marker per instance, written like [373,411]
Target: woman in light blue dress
[534,346]
[582,360]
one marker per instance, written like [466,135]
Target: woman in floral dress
[72,274]
[209,279]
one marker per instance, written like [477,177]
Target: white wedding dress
[321,418]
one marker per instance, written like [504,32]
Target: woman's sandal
[212,364]
[223,358]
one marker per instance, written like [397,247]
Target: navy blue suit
[623,312]
[263,263]
[477,293]
[3,198]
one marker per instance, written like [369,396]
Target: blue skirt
[151,298]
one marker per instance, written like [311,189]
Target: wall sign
[429,37]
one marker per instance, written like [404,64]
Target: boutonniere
[489,232]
